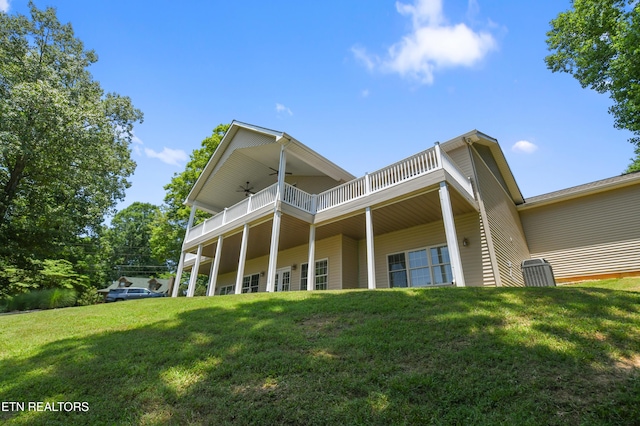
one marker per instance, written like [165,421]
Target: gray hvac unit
[537,273]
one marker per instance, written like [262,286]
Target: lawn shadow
[437,356]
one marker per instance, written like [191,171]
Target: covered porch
[284,216]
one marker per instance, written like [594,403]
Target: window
[420,268]
[322,275]
[283,279]
[304,276]
[226,290]
[250,283]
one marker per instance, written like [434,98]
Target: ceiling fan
[248,190]
[276,171]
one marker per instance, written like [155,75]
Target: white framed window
[322,275]
[228,289]
[283,279]
[420,268]
[250,283]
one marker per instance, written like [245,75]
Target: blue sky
[365,83]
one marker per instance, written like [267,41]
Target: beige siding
[328,248]
[503,223]
[427,235]
[597,234]
[349,263]
[312,184]
[468,226]
[462,158]
[485,153]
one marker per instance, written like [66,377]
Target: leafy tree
[169,230]
[64,143]
[635,163]
[129,237]
[598,43]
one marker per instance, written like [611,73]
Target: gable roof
[249,153]
[479,138]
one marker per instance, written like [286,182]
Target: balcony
[409,169]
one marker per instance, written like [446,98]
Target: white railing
[415,165]
[264,197]
[244,207]
[298,198]
[402,171]
[341,194]
[394,174]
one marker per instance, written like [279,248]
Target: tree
[598,42]
[129,237]
[635,163]
[64,153]
[169,230]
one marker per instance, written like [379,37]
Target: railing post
[438,155]
[367,183]
[249,204]
[224,216]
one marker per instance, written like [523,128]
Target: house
[450,215]
[158,285]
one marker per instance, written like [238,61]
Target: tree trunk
[9,191]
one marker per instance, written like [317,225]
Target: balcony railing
[402,171]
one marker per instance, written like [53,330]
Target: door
[283,279]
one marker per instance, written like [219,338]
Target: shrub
[42,299]
[89,297]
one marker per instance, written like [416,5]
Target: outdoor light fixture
[262,273]
[465,242]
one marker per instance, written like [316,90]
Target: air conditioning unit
[537,273]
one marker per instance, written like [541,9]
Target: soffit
[251,154]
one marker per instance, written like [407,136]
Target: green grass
[565,355]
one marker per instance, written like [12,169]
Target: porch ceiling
[401,214]
[256,165]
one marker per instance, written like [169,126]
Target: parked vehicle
[131,293]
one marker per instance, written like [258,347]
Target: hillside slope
[433,356]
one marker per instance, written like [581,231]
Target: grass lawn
[533,356]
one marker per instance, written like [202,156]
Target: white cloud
[360,53]
[432,45]
[365,93]
[4,6]
[281,108]
[525,147]
[168,155]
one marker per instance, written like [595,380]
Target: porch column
[194,273]
[215,266]
[371,263]
[277,217]
[451,235]
[176,282]
[311,268]
[273,250]
[243,258]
